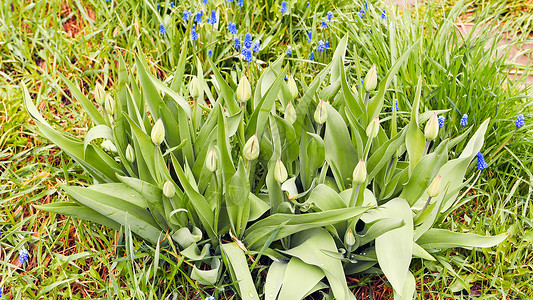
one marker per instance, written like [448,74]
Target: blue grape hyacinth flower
[210,298]
[481,163]
[240,3]
[441,121]
[309,36]
[396,104]
[205,2]
[199,16]
[383,15]
[289,51]
[312,56]
[209,52]
[257,46]
[283,9]
[213,19]
[237,43]
[171,4]
[327,44]
[464,120]
[362,13]
[321,46]
[232,28]
[323,25]
[247,41]
[519,121]
[330,15]
[186,15]
[23,255]
[158,6]
[194,34]
[0,291]
[247,54]
[162,29]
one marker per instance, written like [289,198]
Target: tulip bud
[293,88]
[130,154]
[109,104]
[359,173]
[280,173]
[168,189]
[434,187]
[251,148]
[99,93]
[349,238]
[432,128]
[244,91]
[371,79]
[108,146]
[211,161]
[373,128]
[321,114]
[194,87]
[158,132]
[290,113]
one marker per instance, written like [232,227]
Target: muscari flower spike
[230,1]
[186,15]
[327,44]
[481,163]
[205,2]
[396,104]
[257,46]
[158,6]
[289,51]
[162,29]
[441,121]
[171,4]
[323,25]
[210,52]
[213,19]
[240,3]
[23,255]
[362,13]
[519,121]
[464,120]
[237,43]
[383,15]
[321,46]
[307,4]
[210,298]
[232,28]
[194,34]
[199,17]
[247,41]
[309,36]
[283,9]
[312,56]
[247,54]
[330,15]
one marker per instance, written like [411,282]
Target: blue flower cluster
[23,255]
[213,19]
[289,51]
[162,29]
[519,121]
[464,120]
[232,28]
[441,121]
[283,8]
[481,163]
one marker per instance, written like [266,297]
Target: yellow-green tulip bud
[359,173]
[251,148]
[130,154]
[432,128]
[211,160]
[321,113]
[244,91]
[168,189]
[109,104]
[293,88]
[349,238]
[371,79]
[158,132]
[108,146]
[434,187]
[194,87]
[373,128]
[290,113]
[280,173]
[99,94]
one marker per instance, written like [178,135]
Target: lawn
[265,149]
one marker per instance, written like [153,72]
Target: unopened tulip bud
[99,93]
[251,148]
[373,128]
[211,161]
[194,87]
[434,187]
[371,79]
[130,154]
[280,173]
[321,114]
[158,132]
[432,128]
[109,104]
[293,88]
[168,189]
[108,146]
[290,113]
[359,173]
[349,238]
[244,91]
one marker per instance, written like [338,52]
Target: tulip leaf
[443,239]
[235,260]
[299,279]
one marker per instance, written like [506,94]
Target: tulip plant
[304,184]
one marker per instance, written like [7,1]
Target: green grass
[74,259]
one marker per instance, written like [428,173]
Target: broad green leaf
[274,279]
[409,288]
[225,90]
[79,211]
[415,140]
[395,248]
[122,191]
[236,261]
[443,239]
[298,280]
[88,105]
[207,277]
